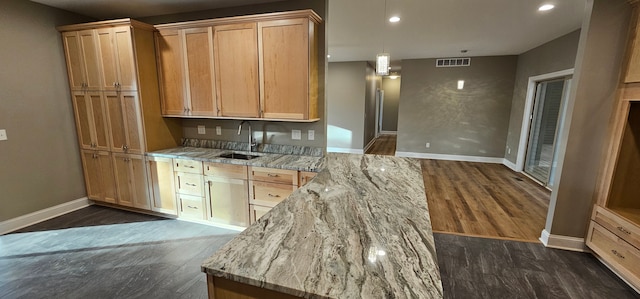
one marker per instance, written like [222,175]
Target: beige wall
[40,162]
[595,82]
[345,105]
[269,132]
[556,55]
[391,89]
[469,122]
[373,83]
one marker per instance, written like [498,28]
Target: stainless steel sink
[238,156]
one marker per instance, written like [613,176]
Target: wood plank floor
[483,199]
[100,252]
[384,145]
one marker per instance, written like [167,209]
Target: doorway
[545,123]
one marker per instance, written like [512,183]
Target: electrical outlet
[508,150]
[428,145]
[311,135]
[202,130]
[296,134]
[218,130]
[3,134]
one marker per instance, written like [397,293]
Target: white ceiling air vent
[451,62]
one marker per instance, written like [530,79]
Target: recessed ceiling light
[394,19]
[546,7]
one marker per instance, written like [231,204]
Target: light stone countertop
[359,229]
[293,162]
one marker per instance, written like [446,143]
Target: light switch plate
[218,130]
[296,134]
[3,134]
[311,135]
[202,130]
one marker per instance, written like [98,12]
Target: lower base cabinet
[228,200]
[257,212]
[162,190]
[191,207]
[131,180]
[99,176]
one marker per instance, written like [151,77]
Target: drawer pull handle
[272,175]
[189,166]
[193,185]
[192,207]
[273,195]
[620,228]
[616,253]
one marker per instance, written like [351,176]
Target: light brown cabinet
[288,69]
[185,60]
[614,231]
[117,64]
[226,193]
[82,59]
[268,187]
[91,120]
[236,65]
[161,185]
[125,129]
[131,180]
[305,177]
[265,66]
[99,176]
[112,74]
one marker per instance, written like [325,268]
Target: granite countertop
[360,229]
[293,162]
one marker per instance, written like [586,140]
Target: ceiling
[359,29]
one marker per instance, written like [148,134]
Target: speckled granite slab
[264,148]
[360,229]
[294,162]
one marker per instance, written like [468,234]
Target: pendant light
[383,59]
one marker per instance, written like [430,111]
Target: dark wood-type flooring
[100,252]
[484,199]
[384,145]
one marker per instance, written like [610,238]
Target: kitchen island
[360,229]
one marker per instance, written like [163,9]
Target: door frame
[528,108]
[379,111]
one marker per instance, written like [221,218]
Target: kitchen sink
[238,156]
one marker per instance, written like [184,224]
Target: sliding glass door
[546,123]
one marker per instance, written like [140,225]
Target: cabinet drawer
[257,212]
[190,166]
[273,175]
[269,194]
[192,206]
[624,257]
[222,170]
[189,183]
[617,225]
[305,177]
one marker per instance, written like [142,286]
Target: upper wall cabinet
[116,58]
[264,67]
[185,61]
[82,59]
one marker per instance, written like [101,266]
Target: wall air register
[453,62]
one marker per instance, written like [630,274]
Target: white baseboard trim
[563,242]
[370,144]
[388,132]
[510,164]
[17,223]
[450,157]
[344,150]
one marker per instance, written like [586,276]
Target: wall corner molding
[563,242]
[17,223]
[510,164]
[388,132]
[344,150]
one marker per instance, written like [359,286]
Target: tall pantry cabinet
[113,80]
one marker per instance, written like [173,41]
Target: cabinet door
[124,58]
[161,185]
[91,62]
[284,68]
[228,201]
[108,63]
[236,65]
[131,180]
[198,46]
[91,120]
[171,72]
[124,122]
[98,173]
[73,55]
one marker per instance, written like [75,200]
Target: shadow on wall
[340,137]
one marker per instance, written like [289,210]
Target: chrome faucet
[252,143]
